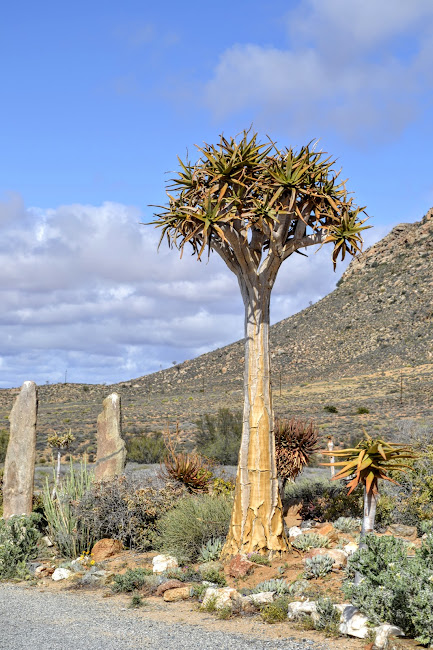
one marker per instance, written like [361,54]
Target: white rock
[353,623]
[163,562]
[294,531]
[262,598]
[350,548]
[46,540]
[382,632]
[224,597]
[61,574]
[302,607]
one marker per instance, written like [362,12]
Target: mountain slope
[349,349]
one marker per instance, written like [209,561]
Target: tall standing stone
[111,450]
[19,471]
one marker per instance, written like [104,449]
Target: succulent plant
[278,585]
[318,566]
[211,550]
[312,540]
[295,441]
[347,524]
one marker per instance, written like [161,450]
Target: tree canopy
[256,204]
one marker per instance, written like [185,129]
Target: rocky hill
[367,345]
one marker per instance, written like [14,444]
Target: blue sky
[98,99]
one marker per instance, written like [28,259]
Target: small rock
[163,562]
[382,634]
[44,571]
[179,593]
[339,557]
[46,540]
[61,574]
[353,623]
[298,608]
[170,584]
[350,548]
[224,597]
[240,566]
[400,530]
[325,528]
[207,566]
[307,524]
[106,548]
[251,603]
[294,531]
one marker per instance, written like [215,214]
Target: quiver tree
[256,205]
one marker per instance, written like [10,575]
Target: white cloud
[84,289]
[357,68]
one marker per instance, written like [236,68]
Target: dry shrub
[121,509]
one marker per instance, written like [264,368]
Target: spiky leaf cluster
[369,461]
[295,442]
[242,198]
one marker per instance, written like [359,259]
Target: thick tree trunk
[257,519]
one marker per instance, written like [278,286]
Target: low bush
[18,539]
[132,580]
[396,588]
[145,448]
[259,559]
[121,509]
[215,576]
[328,619]
[192,522]
[306,541]
[362,410]
[318,566]
[219,436]
[330,408]
[275,612]
[325,500]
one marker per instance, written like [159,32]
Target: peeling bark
[257,519]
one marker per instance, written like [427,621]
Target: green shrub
[330,408]
[136,602]
[362,410]
[328,620]
[318,566]
[132,580]
[219,436]
[396,588]
[145,448]
[310,540]
[347,524]
[192,523]
[71,534]
[118,508]
[18,538]
[259,559]
[215,576]
[275,612]
[184,574]
[325,500]
[211,550]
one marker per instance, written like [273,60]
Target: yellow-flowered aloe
[255,205]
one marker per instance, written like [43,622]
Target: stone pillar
[19,472]
[111,450]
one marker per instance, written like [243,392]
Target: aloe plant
[295,442]
[365,465]
[255,205]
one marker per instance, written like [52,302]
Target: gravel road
[65,621]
